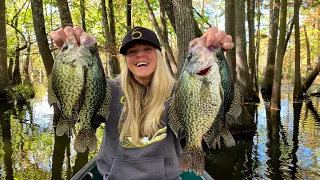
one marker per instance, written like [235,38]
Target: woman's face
[142,62]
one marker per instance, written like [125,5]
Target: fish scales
[67,84]
[196,103]
[79,88]
[94,95]
[220,129]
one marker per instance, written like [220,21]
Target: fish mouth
[204,71]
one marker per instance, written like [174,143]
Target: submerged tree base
[244,124]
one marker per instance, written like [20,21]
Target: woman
[137,142]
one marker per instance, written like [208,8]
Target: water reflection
[286,145]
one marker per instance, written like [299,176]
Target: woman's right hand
[61,35]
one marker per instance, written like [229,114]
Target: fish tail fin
[192,159]
[227,137]
[86,138]
[63,127]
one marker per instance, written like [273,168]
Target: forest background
[274,40]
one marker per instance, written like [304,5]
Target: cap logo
[136,34]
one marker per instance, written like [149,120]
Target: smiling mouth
[204,72]
[140,64]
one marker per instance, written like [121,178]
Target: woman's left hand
[215,36]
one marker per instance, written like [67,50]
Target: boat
[90,172]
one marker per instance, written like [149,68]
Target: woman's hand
[218,37]
[61,35]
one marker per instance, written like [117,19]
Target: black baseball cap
[139,34]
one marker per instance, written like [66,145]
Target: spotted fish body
[220,129]
[94,94]
[196,103]
[79,88]
[67,85]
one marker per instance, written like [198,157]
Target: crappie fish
[79,88]
[67,80]
[196,102]
[94,94]
[231,105]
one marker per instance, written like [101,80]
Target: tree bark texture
[250,17]
[83,14]
[129,5]
[297,91]
[241,55]
[276,93]
[113,61]
[185,33]
[170,8]
[163,41]
[164,32]
[64,13]
[40,32]
[16,77]
[257,56]
[308,49]
[266,89]
[230,29]
[25,69]
[4,79]
[311,78]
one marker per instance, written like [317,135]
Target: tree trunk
[311,78]
[185,33]
[113,62]
[25,69]
[83,14]
[242,66]
[250,17]
[170,8]
[40,32]
[230,29]
[163,40]
[129,5]
[10,69]
[164,32]
[266,89]
[105,25]
[64,13]
[308,50]
[297,91]
[16,77]
[276,94]
[4,79]
[255,80]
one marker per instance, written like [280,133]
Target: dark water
[286,145]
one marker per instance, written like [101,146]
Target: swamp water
[286,145]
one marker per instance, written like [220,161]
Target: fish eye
[189,57]
[64,47]
[92,49]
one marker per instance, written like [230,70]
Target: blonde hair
[141,114]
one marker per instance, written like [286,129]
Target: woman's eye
[147,49]
[131,52]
